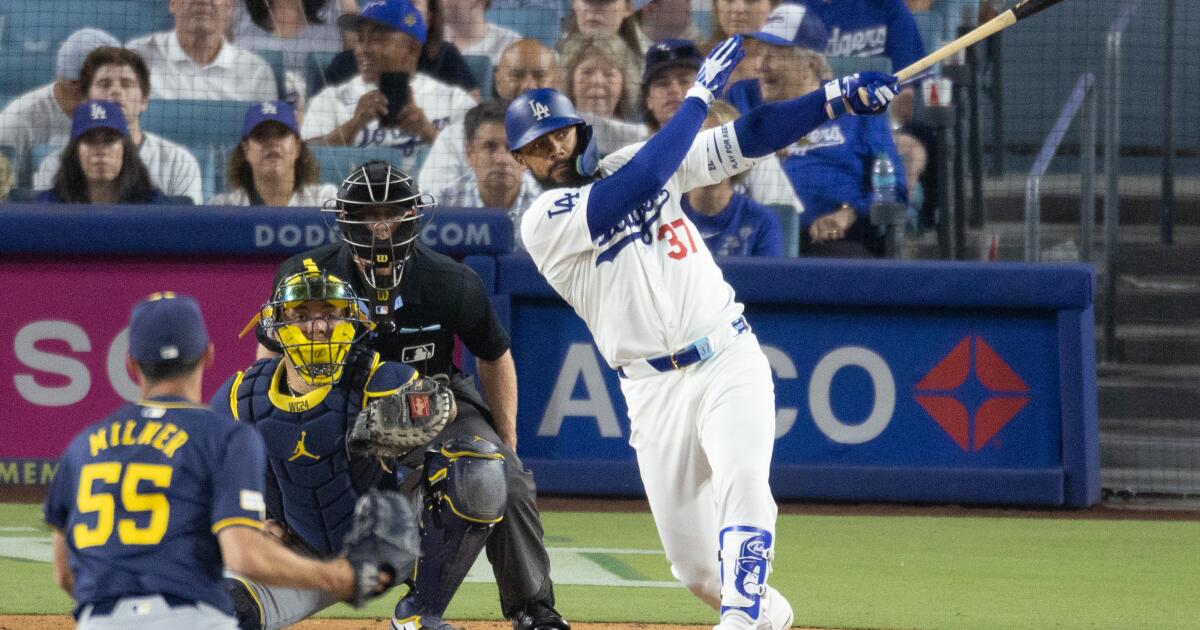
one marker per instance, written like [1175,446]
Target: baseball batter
[148,501]
[613,241]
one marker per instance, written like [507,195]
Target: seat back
[336,162]
[196,123]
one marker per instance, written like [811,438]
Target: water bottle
[883,180]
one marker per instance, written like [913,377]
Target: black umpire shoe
[538,616]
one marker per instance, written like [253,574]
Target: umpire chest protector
[305,437]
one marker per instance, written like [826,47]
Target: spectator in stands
[43,116]
[468,29]
[272,166]
[829,168]
[390,34]
[195,62]
[731,223]
[869,28]
[120,75]
[100,163]
[525,65]
[294,29]
[438,58]
[663,19]
[602,76]
[671,67]
[495,180]
[738,17]
[599,18]
[291,26]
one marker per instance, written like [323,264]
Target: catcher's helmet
[378,210]
[537,112]
[320,353]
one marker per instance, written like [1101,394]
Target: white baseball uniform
[703,433]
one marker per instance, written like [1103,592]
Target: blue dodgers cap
[537,112]
[269,111]
[166,327]
[793,25]
[399,15]
[669,53]
[98,115]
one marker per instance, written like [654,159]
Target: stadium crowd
[316,87]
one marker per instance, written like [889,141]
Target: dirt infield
[36,622]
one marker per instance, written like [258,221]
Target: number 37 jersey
[649,285]
[141,495]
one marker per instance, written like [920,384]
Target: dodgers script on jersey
[649,285]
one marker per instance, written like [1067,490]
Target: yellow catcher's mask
[316,317]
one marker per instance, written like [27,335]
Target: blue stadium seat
[704,24]
[789,222]
[40,26]
[314,71]
[23,71]
[196,123]
[212,171]
[336,162]
[37,153]
[481,69]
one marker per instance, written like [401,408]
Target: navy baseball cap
[670,53]
[793,25]
[398,15]
[98,115]
[269,111]
[166,327]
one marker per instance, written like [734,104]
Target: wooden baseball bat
[1022,10]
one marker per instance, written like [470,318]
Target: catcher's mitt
[384,537]
[395,424]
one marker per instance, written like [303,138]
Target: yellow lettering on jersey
[296,406]
[97,442]
[148,431]
[114,434]
[174,443]
[127,435]
[160,440]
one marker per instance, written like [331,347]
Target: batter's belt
[695,352]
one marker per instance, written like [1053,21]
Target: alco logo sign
[945,393]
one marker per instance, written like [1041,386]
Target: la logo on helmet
[540,111]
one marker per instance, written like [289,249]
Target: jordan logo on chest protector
[301,450]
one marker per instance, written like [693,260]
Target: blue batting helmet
[537,112]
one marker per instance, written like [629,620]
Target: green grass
[845,572]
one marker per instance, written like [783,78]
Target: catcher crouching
[339,423]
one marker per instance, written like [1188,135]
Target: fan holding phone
[388,103]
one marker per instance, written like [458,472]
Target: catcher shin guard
[465,494]
[745,556]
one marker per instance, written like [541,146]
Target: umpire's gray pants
[151,612]
[282,607]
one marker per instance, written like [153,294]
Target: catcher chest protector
[465,492]
[306,449]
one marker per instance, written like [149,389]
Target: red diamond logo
[1007,394]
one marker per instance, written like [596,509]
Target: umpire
[420,301]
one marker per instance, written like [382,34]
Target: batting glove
[861,93]
[717,67]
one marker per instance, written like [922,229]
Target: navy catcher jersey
[141,495]
[313,482]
